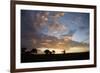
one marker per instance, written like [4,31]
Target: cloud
[53,27]
[36,37]
[41,20]
[48,40]
[57,15]
[69,35]
[69,46]
[81,21]
[87,40]
[67,38]
[42,17]
[57,27]
[77,49]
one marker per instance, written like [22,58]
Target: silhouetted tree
[47,51]
[23,50]
[50,52]
[64,52]
[34,51]
[53,52]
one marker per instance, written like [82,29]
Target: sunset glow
[52,30]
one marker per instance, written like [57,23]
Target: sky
[52,29]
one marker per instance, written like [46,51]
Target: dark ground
[25,58]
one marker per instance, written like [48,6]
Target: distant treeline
[35,51]
[32,56]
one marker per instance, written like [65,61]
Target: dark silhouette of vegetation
[23,50]
[53,57]
[47,51]
[34,51]
[53,52]
[33,56]
[64,52]
[50,52]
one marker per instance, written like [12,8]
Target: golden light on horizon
[70,50]
[67,38]
[57,51]
[77,49]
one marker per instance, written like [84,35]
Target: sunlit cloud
[57,31]
[60,48]
[57,27]
[57,15]
[41,20]
[48,40]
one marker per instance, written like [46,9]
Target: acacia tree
[47,51]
